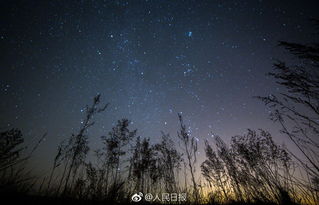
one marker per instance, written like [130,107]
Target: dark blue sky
[148,59]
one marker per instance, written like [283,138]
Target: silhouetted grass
[252,169]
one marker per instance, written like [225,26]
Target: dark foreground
[44,200]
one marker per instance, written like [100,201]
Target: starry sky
[149,59]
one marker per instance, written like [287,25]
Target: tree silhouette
[77,147]
[252,168]
[190,149]
[118,139]
[143,163]
[213,169]
[169,162]
[12,171]
[10,148]
[296,108]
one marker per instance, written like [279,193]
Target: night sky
[149,59]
